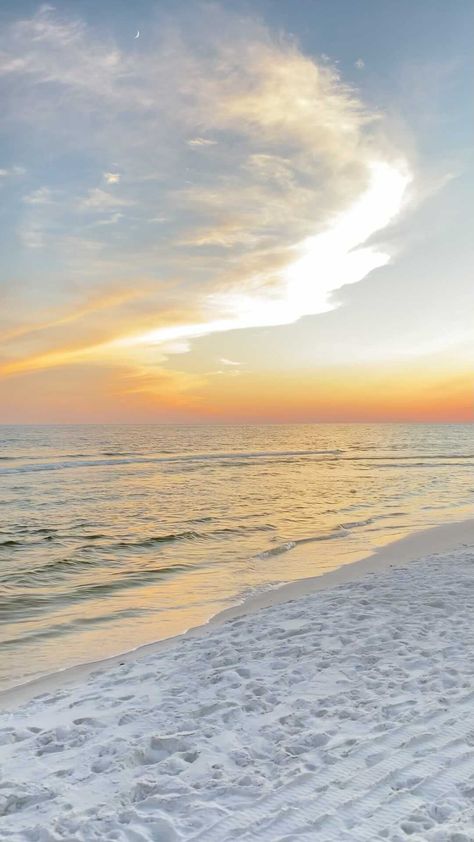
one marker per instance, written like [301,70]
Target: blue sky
[163,196]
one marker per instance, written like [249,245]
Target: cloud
[224,361]
[110,220]
[201,141]
[99,200]
[41,196]
[13,171]
[83,310]
[359,64]
[224,372]
[324,263]
[112,177]
[262,231]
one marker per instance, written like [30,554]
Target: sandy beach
[336,708]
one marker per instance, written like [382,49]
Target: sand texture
[345,715]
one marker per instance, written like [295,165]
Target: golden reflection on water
[112,556]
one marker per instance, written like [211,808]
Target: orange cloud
[136,393]
[96,303]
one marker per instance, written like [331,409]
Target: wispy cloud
[263,227]
[100,200]
[9,172]
[41,196]
[201,141]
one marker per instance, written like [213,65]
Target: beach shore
[334,708]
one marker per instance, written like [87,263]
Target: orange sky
[219,223]
[397,393]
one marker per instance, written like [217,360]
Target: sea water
[114,536]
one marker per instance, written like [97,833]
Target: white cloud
[41,196]
[112,177]
[325,263]
[110,220]
[226,372]
[12,171]
[201,141]
[224,361]
[99,200]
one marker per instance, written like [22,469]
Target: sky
[236,212]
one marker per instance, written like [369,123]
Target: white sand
[346,714]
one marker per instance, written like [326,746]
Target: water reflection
[115,536]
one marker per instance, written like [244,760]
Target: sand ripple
[343,716]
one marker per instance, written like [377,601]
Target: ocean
[113,536]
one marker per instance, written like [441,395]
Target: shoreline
[343,714]
[437,539]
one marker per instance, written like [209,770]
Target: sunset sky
[236,211]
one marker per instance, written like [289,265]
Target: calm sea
[115,536]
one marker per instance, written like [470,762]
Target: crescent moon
[137,35]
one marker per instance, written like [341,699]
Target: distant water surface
[115,536]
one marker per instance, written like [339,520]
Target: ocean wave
[240,530]
[144,460]
[282,548]
[352,524]
[120,458]
[70,626]
[34,576]
[94,537]
[341,532]
[192,535]
[122,453]
[43,530]
[19,604]
[187,535]
[127,579]
[425,457]
[425,464]
[110,545]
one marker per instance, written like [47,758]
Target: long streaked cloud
[268,175]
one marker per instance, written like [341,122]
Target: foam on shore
[336,709]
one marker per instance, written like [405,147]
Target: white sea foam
[340,532]
[345,715]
